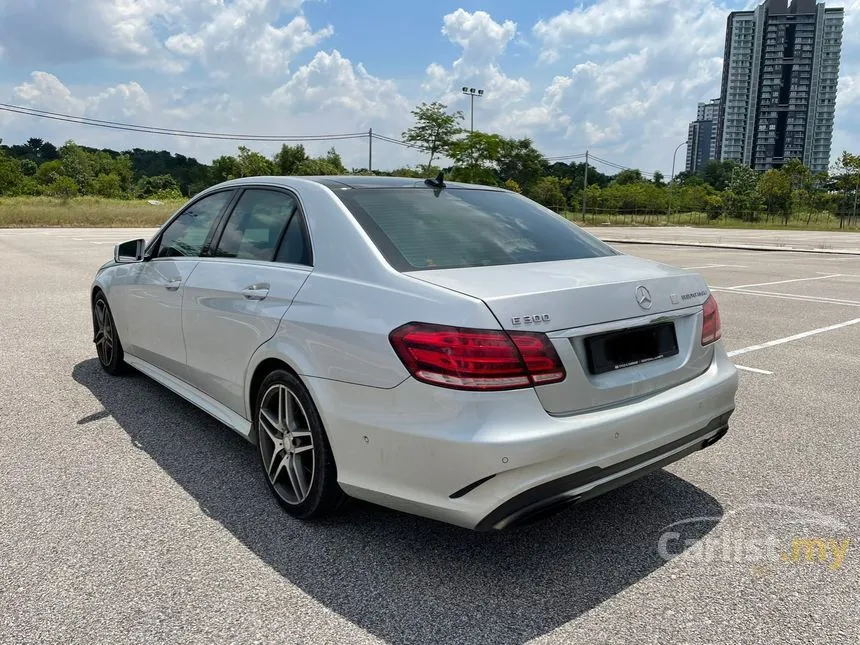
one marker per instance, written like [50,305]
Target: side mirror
[131,251]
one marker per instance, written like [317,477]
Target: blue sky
[620,78]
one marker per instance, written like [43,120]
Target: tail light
[476,359]
[711,326]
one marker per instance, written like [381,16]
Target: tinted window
[294,248]
[418,228]
[187,234]
[256,225]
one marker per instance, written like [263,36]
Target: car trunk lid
[624,327]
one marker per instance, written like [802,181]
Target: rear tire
[108,345]
[295,454]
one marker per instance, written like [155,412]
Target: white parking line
[789,339]
[764,284]
[786,296]
[753,369]
[716,266]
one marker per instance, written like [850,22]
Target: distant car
[454,351]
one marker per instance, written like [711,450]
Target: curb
[742,247]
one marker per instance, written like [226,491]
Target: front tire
[295,454]
[108,345]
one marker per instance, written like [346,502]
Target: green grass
[83,212]
[821,221]
[90,212]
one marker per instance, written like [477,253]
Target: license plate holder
[630,347]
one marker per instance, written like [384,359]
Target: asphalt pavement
[826,241]
[126,515]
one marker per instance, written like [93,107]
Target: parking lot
[126,515]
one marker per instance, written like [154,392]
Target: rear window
[422,228]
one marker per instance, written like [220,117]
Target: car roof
[342,182]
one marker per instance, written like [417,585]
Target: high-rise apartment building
[780,74]
[702,136]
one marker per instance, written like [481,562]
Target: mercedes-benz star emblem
[643,297]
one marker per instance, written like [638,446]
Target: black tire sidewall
[117,364]
[325,494]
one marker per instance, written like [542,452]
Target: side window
[187,234]
[294,248]
[256,225]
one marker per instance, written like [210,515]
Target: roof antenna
[439,182]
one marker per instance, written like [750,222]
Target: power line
[612,164]
[393,140]
[196,134]
[225,136]
[565,157]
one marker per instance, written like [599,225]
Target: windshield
[418,228]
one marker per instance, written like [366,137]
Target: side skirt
[194,396]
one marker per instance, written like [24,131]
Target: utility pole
[584,185]
[672,179]
[370,150]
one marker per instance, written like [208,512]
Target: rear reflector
[711,325]
[476,359]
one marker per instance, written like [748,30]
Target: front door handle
[256,292]
[172,285]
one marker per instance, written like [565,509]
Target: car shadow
[403,578]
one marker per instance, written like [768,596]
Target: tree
[718,173]
[435,129]
[333,158]
[253,164]
[513,186]
[77,164]
[49,171]
[659,179]
[11,177]
[475,157]
[317,166]
[548,191]
[799,175]
[160,187]
[774,186]
[629,176]
[287,160]
[521,161]
[741,198]
[63,187]
[224,168]
[847,174]
[108,186]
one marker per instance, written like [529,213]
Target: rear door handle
[256,292]
[172,285]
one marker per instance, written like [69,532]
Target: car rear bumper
[574,488]
[490,460]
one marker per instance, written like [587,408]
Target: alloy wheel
[105,338]
[286,444]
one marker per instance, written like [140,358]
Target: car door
[234,300]
[153,295]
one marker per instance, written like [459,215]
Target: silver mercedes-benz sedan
[454,351]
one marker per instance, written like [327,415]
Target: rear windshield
[423,228]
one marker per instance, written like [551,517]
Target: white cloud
[483,43]
[620,19]
[331,84]
[47,31]
[243,34]
[45,91]
[482,39]
[237,36]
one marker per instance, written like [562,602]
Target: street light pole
[472,92]
[672,179]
